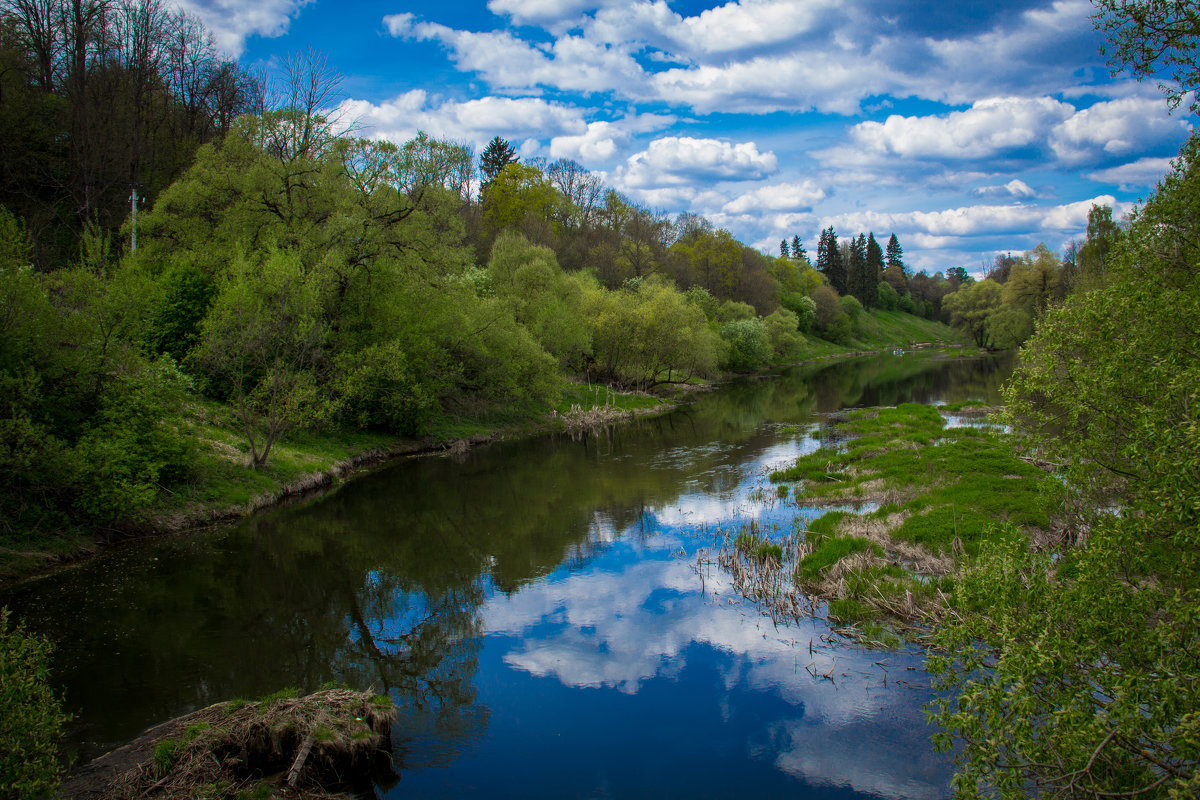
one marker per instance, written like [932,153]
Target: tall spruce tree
[798,249]
[783,248]
[829,260]
[495,157]
[894,256]
[857,268]
[874,270]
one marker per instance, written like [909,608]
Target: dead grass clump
[913,555]
[578,419]
[297,747]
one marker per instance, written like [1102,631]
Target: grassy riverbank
[931,486]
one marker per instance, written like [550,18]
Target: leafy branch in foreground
[1076,672]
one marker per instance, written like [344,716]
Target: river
[535,608]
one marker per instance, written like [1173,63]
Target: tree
[495,157]
[1035,281]
[798,249]
[783,248]
[873,271]
[520,197]
[1071,669]
[31,716]
[894,255]
[1009,327]
[970,307]
[1148,36]
[1091,258]
[262,339]
[856,269]
[829,260]
[1002,266]
[748,342]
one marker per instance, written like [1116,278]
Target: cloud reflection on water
[635,616]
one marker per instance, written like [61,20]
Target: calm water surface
[534,608]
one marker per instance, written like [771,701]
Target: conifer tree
[857,268]
[798,249]
[894,254]
[874,270]
[783,248]
[495,157]
[829,260]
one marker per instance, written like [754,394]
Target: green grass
[758,548]
[831,550]
[587,396]
[962,480]
[954,487]
[165,753]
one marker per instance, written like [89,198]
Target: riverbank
[280,746]
[222,488]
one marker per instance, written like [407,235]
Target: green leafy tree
[1008,327]
[1149,36]
[783,332]
[649,333]
[263,340]
[886,299]
[543,299]
[31,715]
[1034,282]
[520,197]
[970,307]
[1092,257]
[748,342]
[1072,670]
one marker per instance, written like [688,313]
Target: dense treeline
[99,98]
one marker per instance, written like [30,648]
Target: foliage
[1008,327]
[970,307]
[649,334]
[31,716]
[262,340]
[887,298]
[748,343]
[1146,36]
[1034,282]
[783,332]
[1074,671]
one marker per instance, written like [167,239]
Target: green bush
[31,716]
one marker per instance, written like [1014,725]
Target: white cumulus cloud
[1117,128]
[683,160]
[232,21]
[793,197]
[1138,174]
[473,121]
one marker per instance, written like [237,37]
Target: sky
[966,128]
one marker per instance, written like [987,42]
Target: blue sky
[965,128]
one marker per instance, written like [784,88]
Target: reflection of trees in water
[382,582]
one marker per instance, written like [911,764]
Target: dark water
[535,609]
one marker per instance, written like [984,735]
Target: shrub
[31,716]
